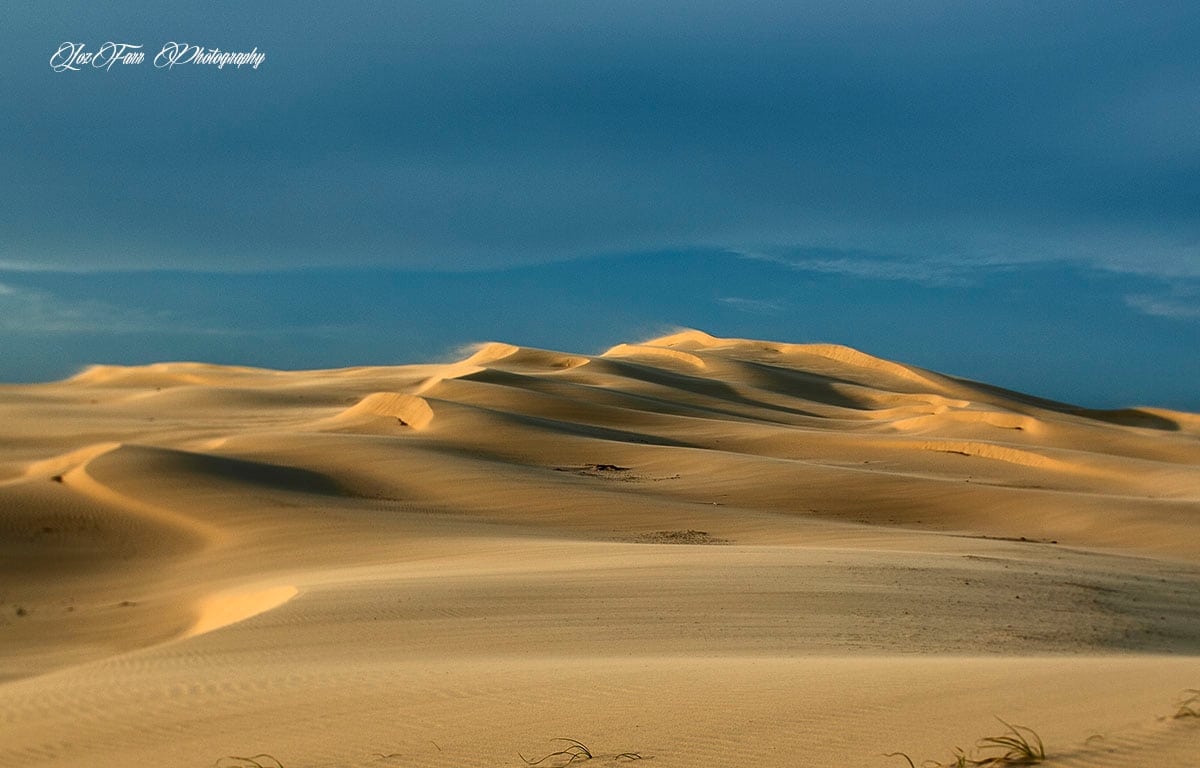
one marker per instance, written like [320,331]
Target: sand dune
[385,410]
[702,550]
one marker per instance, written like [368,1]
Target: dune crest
[57,466]
[656,353]
[163,374]
[970,448]
[698,341]
[494,352]
[82,480]
[394,408]
[969,418]
[688,337]
[224,609]
[852,357]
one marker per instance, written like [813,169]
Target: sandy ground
[699,551]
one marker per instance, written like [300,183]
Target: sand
[701,551]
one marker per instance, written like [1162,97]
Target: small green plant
[1019,745]
[1016,745]
[1189,704]
[233,761]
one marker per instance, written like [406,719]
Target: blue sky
[1006,191]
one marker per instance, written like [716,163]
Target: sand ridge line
[233,606]
[57,466]
[387,409]
[78,479]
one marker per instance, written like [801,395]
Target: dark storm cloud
[472,135]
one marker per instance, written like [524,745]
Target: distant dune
[703,551]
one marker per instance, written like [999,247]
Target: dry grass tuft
[1016,745]
[1019,745]
[257,761]
[576,750]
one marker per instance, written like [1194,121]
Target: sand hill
[694,550]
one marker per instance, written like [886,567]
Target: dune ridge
[699,549]
[391,407]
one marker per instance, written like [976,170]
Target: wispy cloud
[935,272]
[25,310]
[35,311]
[752,306]
[1181,302]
